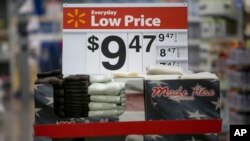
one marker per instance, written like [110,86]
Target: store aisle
[16,122]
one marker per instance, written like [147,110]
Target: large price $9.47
[121,52]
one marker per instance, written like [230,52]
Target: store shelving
[246,23]
[3,33]
[194,19]
[231,16]
[4,58]
[193,42]
[212,51]
[4,51]
[46,37]
[239,89]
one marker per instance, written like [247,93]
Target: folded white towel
[123,100]
[114,88]
[201,75]
[105,98]
[125,74]
[111,88]
[103,113]
[95,106]
[162,70]
[100,78]
[96,89]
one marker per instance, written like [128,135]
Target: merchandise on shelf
[102,98]
[3,16]
[247,29]
[213,7]
[194,56]
[239,79]
[239,118]
[193,8]
[2,109]
[208,28]
[247,6]
[50,55]
[183,99]
[217,27]
[238,75]
[194,30]
[239,100]
[248,43]
[39,7]
[239,58]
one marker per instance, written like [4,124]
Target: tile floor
[16,121]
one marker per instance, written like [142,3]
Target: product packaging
[189,97]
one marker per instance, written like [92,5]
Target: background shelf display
[238,75]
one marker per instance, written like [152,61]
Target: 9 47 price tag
[109,52]
[172,39]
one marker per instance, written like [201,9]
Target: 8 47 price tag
[172,53]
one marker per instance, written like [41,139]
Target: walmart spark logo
[76,18]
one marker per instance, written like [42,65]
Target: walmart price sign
[100,38]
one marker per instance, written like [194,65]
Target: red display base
[162,127]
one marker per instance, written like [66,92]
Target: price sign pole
[101,38]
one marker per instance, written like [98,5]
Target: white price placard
[105,38]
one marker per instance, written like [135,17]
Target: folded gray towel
[56,73]
[79,77]
[53,80]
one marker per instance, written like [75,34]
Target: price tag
[172,53]
[172,39]
[180,63]
[104,38]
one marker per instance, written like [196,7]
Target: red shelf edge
[166,127]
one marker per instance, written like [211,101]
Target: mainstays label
[125,18]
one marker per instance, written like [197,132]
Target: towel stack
[106,97]
[76,99]
[53,78]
